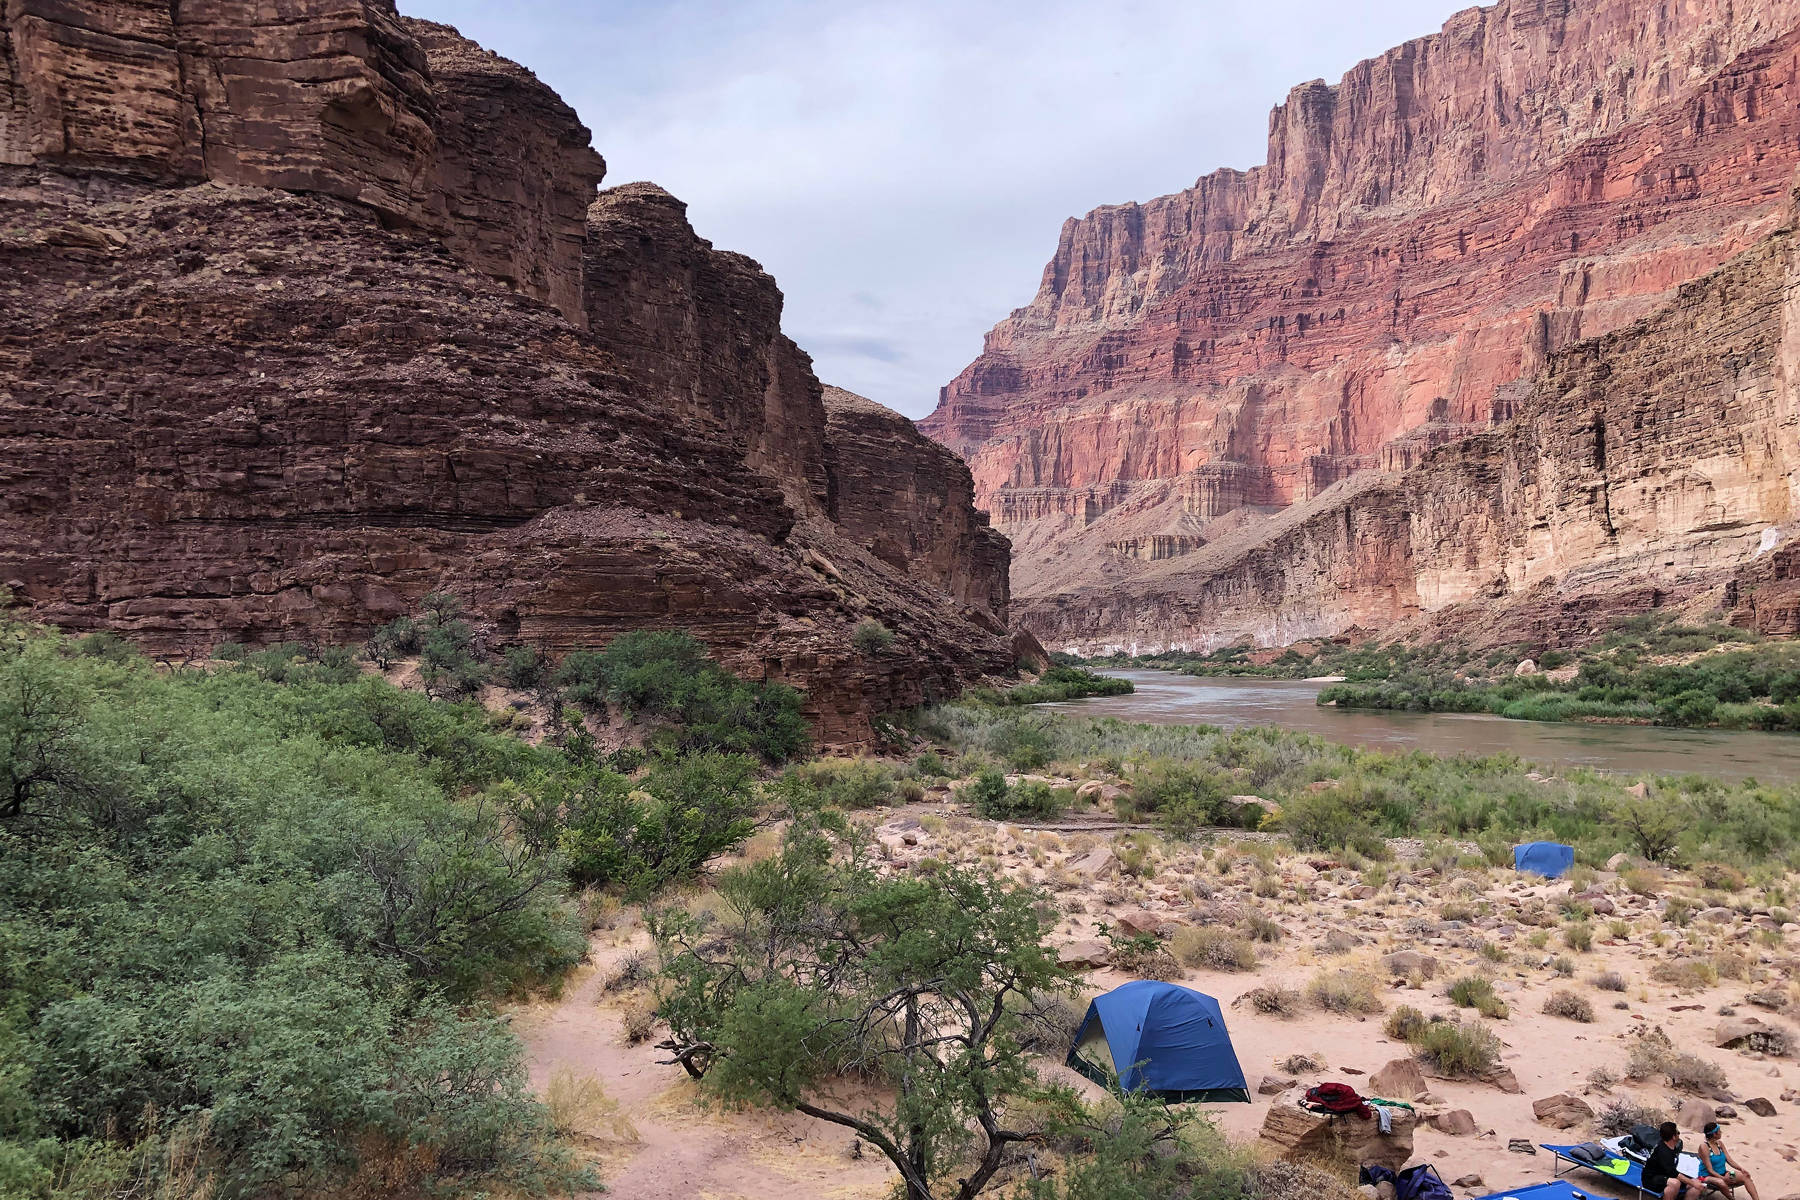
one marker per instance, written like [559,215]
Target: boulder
[1506,1081]
[1734,1031]
[1097,862]
[1761,1106]
[1562,1111]
[1695,1114]
[1618,862]
[1458,1122]
[1139,923]
[1406,962]
[1273,1086]
[1084,954]
[1293,1133]
[1401,1079]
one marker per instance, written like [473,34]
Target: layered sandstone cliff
[308,309]
[1649,466]
[1423,238]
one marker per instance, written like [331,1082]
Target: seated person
[1662,1171]
[1718,1170]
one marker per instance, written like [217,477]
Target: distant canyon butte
[1501,341]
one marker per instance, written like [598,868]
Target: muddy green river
[1163,698]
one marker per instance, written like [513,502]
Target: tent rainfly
[1549,859]
[1159,1038]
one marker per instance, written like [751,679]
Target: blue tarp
[1161,1038]
[1552,859]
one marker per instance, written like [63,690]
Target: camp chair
[1559,1190]
[1621,1168]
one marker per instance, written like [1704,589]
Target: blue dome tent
[1159,1038]
[1550,859]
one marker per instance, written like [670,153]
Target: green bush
[871,638]
[1477,992]
[524,668]
[667,676]
[283,904]
[851,784]
[637,837]
[1183,797]
[1029,800]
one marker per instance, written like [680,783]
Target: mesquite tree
[823,970]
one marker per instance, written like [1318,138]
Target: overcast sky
[903,169]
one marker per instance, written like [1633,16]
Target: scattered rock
[1521,1145]
[1084,954]
[1760,1106]
[1406,962]
[1096,862]
[1469,1181]
[1562,1111]
[1458,1122]
[1273,1086]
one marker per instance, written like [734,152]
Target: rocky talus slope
[1201,373]
[307,309]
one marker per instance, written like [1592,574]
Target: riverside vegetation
[257,915]
[1646,670]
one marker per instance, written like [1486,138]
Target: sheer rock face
[287,407]
[910,503]
[1424,237]
[700,330]
[338,97]
[1658,463]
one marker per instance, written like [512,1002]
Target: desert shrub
[1183,797]
[1301,1064]
[1579,935]
[1261,927]
[1349,992]
[1609,981]
[1619,1117]
[1275,1001]
[1563,965]
[1458,1048]
[1689,974]
[1641,880]
[1404,1024]
[1028,800]
[393,641]
[1477,992]
[449,657]
[871,637]
[1494,952]
[1691,1073]
[1210,947]
[850,784]
[930,765]
[1569,1004]
[1719,876]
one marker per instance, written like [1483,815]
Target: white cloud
[903,169]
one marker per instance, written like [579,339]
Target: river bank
[1165,698]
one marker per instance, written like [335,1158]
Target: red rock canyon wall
[304,311]
[1423,238]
